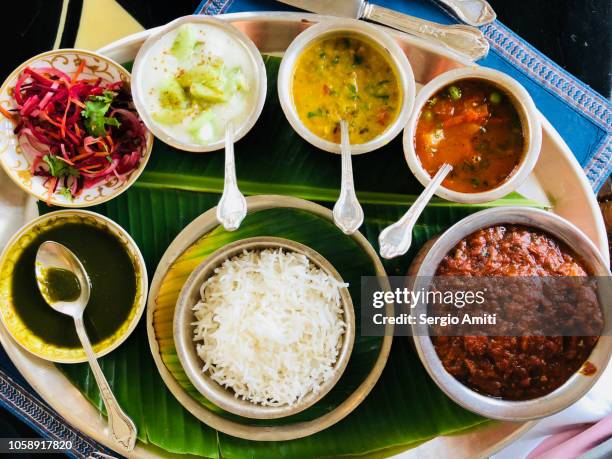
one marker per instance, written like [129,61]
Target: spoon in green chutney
[65,285]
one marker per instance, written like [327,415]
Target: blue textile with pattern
[582,117]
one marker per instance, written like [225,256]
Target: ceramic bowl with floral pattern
[19,161]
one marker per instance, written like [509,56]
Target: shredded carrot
[63,126]
[82,156]
[50,188]
[77,102]
[67,161]
[79,70]
[8,115]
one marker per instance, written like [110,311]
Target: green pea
[454,92]
[428,116]
[495,98]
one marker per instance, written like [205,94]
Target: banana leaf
[403,410]
[316,232]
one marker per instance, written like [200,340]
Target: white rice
[269,326]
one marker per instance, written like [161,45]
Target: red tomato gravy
[474,126]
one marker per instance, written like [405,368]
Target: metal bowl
[369,33]
[426,264]
[186,347]
[530,121]
[18,329]
[142,67]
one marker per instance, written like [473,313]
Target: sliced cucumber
[183,44]
[172,96]
[203,127]
[206,94]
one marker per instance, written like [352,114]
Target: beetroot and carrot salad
[77,132]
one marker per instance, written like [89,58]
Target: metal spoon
[54,255]
[232,207]
[348,214]
[396,238]
[473,12]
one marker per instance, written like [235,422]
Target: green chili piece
[317,112]
[454,92]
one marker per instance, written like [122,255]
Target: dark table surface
[574,33]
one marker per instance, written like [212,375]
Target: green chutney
[111,273]
[60,285]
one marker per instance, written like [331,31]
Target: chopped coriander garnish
[59,168]
[65,192]
[317,112]
[95,111]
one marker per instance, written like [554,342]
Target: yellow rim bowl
[13,322]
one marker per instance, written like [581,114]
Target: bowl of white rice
[264,327]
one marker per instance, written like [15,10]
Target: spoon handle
[473,12]
[465,40]
[122,427]
[348,214]
[396,238]
[232,207]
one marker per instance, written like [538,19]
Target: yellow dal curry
[345,77]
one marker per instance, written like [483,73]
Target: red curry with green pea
[474,126]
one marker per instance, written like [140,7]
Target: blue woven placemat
[582,117]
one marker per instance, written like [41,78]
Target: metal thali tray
[557,179]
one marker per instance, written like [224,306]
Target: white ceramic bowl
[530,121]
[16,162]
[370,33]
[140,69]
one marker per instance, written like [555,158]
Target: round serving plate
[193,243]
[557,179]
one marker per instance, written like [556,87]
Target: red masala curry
[474,126]
[518,367]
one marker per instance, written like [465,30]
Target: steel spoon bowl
[395,239]
[232,206]
[348,214]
